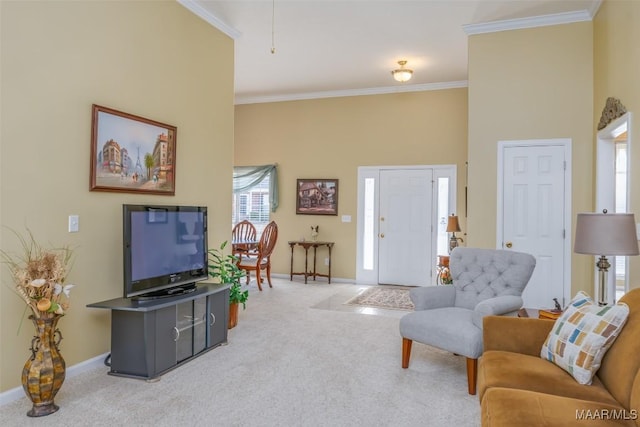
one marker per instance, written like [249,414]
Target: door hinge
[564,165]
[564,233]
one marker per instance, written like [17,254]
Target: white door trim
[566,144]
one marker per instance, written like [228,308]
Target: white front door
[534,192]
[405,227]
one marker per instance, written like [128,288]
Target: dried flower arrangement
[39,275]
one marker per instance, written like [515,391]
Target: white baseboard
[18,393]
[318,281]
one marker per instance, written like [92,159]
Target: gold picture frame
[131,153]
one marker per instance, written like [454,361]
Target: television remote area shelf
[152,337]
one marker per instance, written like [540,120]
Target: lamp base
[453,242]
[603,267]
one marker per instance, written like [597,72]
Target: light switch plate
[74,223]
[346,218]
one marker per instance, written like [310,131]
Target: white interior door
[534,191]
[405,227]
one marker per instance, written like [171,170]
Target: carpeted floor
[286,364]
[388,297]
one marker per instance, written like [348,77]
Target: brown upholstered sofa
[517,387]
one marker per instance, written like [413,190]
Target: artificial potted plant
[226,270]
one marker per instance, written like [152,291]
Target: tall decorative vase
[44,371]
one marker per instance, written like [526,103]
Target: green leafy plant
[225,269]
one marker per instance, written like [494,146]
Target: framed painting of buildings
[131,154]
[317,197]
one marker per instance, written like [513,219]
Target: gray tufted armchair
[485,282]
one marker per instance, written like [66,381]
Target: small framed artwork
[131,154]
[317,197]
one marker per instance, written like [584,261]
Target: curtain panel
[247,177]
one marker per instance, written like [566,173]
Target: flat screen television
[165,249]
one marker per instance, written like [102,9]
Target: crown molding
[240,100]
[532,22]
[595,7]
[195,7]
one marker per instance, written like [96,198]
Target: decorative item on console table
[225,268]
[551,313]
[314,232]
[39,275]
[444,274]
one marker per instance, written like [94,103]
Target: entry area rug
[388,297]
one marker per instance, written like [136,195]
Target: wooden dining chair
[242,237]
[261,259]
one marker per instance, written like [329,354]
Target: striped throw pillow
[582,335]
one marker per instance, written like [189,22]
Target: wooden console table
[306,245]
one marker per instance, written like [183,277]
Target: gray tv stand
[149,338]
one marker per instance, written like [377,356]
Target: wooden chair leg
[472,374]
[258,278]
[406,352]
[269,274]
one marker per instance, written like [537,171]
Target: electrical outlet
[326,261]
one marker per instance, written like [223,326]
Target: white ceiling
[333,48]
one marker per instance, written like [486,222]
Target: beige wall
[617,61]
[330,138]
[153,59]
[530,84]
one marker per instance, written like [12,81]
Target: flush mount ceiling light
[402,74]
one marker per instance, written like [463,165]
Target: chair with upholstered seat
[485,282]
[260,260]
[243,237]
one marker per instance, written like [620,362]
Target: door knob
[508,245]
[382,235]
